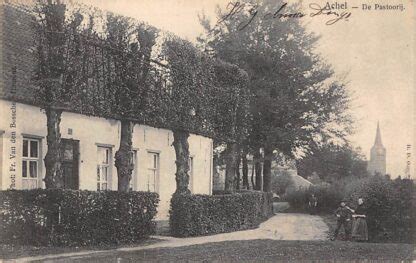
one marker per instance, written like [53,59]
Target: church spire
[377,163]
[378,136]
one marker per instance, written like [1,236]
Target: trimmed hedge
[196,215]
[74,218]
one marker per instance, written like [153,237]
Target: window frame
[27,180]
[155,171]
[135,172]
[191,163]
[107,165]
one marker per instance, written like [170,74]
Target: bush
[280,183]
[195,215]
[298,199]
[219,192]
[329,196]
[73,218]
[390,205]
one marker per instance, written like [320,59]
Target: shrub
[195,215]
[390,205]
[68,218]
[280,183]
[329,196]
[297,199]
[219,192]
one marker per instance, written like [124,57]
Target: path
[284,226]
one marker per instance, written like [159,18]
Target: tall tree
[55,74]
[257,162]
[129,49]
[244,169]
[187,101]
[296,101]
[231,101]
[105,73]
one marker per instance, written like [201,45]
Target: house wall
[93,131]
[1,156]
[1,49]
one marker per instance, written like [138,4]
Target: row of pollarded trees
[295,103]
[103,64]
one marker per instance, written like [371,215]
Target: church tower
[377,163]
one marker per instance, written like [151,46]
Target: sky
[376,48]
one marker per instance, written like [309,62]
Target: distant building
[377,163]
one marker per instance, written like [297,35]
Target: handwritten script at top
[235,8]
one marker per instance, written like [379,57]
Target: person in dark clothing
[343,214]
[313,204]
[359,225]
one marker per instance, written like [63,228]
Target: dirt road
[282,226]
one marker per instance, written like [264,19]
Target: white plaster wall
[91,131]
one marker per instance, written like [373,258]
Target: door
[70,163]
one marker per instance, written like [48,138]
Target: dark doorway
[70,163]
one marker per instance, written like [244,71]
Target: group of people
[353,220]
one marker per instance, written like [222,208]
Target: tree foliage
[332,162]
[232,117]
[231,99]
[102,64]
[56,53]
[94,63]
[296,102]
[188,84]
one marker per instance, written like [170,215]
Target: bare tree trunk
[123,157]
[252,176]
[230,165]
[245,171]
[53,175]
[237,170]
[267,169]
[257,165]
[181,145]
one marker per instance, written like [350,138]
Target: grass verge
[15,251]
[264,251]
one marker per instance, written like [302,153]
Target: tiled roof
[17,53]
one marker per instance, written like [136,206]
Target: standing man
[343,214]
[313,204]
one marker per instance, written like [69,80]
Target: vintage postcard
[207,130]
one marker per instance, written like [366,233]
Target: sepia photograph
[207,131]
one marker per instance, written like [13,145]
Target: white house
[88,143]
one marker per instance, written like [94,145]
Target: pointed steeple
[377,163]
[378,136]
